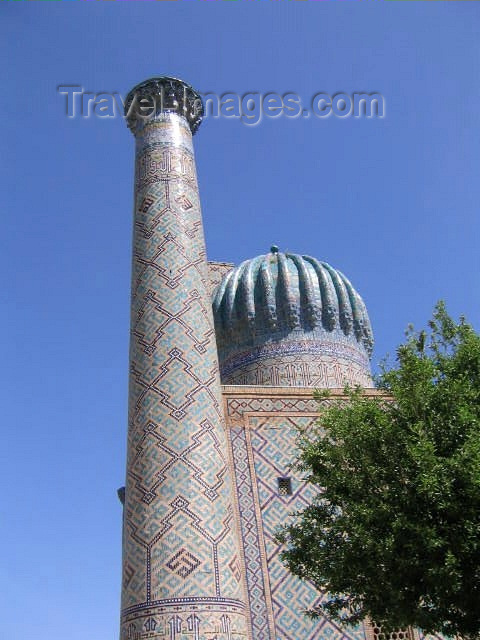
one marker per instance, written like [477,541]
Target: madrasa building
[224,361]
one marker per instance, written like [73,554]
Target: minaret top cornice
[164,94]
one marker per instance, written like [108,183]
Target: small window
[284,486]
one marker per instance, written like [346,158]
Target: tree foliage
[394,533]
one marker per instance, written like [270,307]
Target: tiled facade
[262,423]
[205,463]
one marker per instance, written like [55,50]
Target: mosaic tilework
[181,573]
[240,402]
[262,434]
[325,363]
[216,271]
[256,579]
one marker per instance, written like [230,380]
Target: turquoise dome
[285,310]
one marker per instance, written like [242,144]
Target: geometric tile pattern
[216,271]
[180,543]
[256,578]
[262,448]
[183,563]
[239,405]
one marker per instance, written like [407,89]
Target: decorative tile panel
[216,271]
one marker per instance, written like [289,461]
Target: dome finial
[274,248]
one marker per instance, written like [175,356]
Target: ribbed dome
[282,304]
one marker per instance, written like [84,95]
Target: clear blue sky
[392,203]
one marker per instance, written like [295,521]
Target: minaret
[181,561]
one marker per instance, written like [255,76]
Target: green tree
[394,533]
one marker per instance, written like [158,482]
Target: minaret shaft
[180,550]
